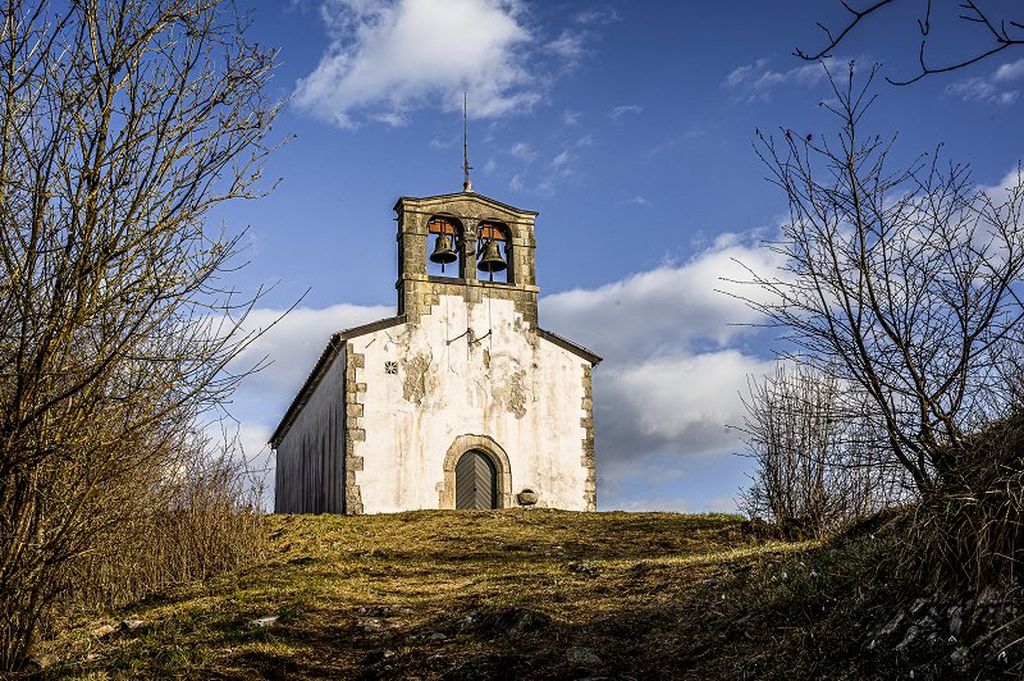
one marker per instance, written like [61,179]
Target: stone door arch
[484,446]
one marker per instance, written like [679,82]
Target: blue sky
[628,126]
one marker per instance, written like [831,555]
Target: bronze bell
[443,251]
[491,260]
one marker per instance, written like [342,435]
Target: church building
[459,401]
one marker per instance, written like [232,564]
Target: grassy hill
[507,595]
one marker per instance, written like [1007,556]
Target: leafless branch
[998,31]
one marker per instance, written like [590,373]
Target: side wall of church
[470,369]
[309,456]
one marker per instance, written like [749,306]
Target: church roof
[567,344]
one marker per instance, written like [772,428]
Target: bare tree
[124,122]
[904,282]
[997,30]
[821,464]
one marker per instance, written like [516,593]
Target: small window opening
[493,253]
[444,247]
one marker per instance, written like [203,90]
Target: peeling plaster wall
[470,369]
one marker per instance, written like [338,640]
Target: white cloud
[1010,71]
[756,81]
[570,46]
[659,311]
[570,117]
[992,89]
[673,371]
[546,179]
[438,143]
[973,89]
[254,438]
[623,109]
[523,151]
[682,404]
[1000,191]
[597,16]
[637,201]
[387,57]
[561,160]
[394,119]
[292,344]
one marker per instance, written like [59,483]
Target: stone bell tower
[470,219]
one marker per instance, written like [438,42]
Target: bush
[204,521]
[819,467]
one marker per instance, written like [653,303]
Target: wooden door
[475,482]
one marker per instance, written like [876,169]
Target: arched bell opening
[494,253]
[444,247]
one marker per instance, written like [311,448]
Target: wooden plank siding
[310,466]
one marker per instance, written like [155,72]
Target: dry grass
[520,594]
[429,594]
[191,528]
[972,530]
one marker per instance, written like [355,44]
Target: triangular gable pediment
[467,203]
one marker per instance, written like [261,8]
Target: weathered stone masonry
[354,392]
[587,421]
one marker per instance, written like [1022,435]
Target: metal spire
[467,185]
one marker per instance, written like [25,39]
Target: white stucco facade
[468,369]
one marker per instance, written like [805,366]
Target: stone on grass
[527,497]
[263,621]
[103,630]
[585,568]
[582,657]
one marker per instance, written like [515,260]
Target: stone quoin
[459,401]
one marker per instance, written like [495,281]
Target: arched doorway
[476,482]
[481,444]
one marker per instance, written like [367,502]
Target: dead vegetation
[203,521]
[973,533]
[820,466]
[125,122]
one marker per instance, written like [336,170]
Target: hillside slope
[432,595]
[519,595]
